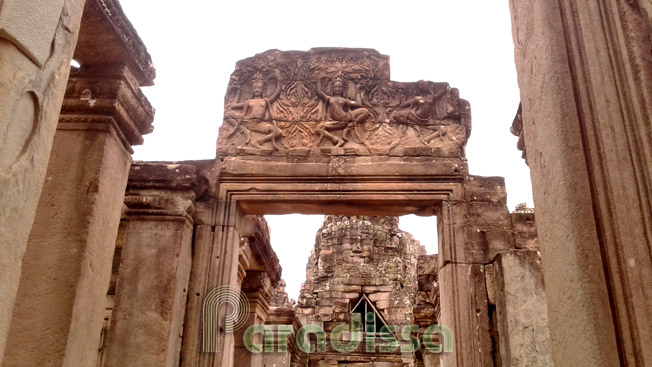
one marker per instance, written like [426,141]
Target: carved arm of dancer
[277,90]
[231,115]
[323,96]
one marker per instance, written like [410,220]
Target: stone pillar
[67,265]
[34,67]
[192,328]
[279,320]
[223,253]
[258,289]
[224,270]
[472,231]
[585,76]
[224,265]
[464,310]
[521,312]
[151,293]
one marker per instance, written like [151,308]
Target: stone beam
[186,175]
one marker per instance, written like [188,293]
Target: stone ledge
[169,176]
[171,206]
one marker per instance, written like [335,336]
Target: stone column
[34,67]
[67,265]
[464,310]
[472,231]
[585,75]
[151,293]
[279,320]
[258,289]
[223,252]
[192,327]
[521,312]
[223,267]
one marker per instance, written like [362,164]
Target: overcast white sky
[195,45]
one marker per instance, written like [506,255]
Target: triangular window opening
[364,307]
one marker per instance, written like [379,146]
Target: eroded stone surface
[30,101]
[521,310]
[337,102]
[18,20]
[586,111]
[67,262]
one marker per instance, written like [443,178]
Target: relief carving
[337,102]
[341,114]
[255,114]
[420,110]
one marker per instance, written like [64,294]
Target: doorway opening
[293,239]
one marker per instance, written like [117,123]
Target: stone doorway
[327,132]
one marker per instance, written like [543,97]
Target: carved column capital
[175,205]
[257,286]
[105,97]
[164,189]
[244,259]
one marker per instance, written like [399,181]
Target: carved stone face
[338,88]
[257,89]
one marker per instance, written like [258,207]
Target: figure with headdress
[420,110]
[256,114]
[344,114]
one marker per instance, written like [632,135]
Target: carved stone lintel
[324,100]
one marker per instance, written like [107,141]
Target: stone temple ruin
[106,262]
[363,264]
